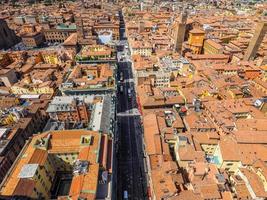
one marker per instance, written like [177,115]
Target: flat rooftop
[28,170]
[96,122]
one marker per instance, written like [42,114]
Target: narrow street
[130,165]
[130,154]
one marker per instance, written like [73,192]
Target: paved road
[129,146]
[130,173]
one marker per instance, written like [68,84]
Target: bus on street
[129,93]
[125,195]
[121,89]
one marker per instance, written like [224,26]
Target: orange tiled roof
[65,141]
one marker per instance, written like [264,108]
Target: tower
[256,40]
[141,26]
[84,30]
[82,1]
[8,38]
[79,24]
[180,31]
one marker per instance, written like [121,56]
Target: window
[86,140]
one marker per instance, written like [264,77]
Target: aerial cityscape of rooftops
[133,100]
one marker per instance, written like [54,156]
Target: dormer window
[86,140]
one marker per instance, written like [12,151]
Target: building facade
[59,33]
[80,155]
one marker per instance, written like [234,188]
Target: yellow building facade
[34,173]
[195,40]
[49,89]
[212,47]
[142,51]
[230,165]
[51,58]
[209,149]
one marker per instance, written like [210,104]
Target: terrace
[96,53]
[213,159]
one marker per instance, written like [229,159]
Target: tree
[31,1]
[47,2]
